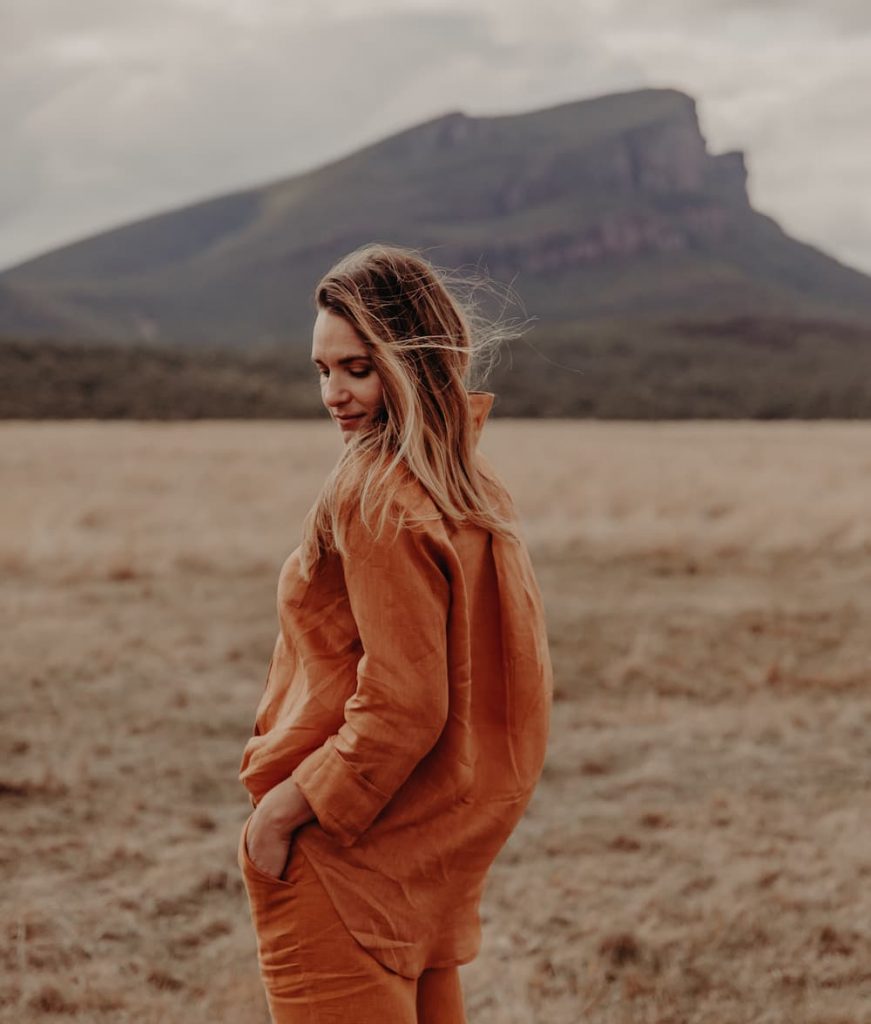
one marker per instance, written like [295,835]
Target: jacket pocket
[250,870]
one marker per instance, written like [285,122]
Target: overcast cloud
[113,111]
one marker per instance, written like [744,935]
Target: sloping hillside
[607,207]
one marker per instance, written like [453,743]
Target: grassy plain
[698,849]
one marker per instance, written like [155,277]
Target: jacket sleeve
[399,593]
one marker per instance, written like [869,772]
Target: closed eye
[354,373]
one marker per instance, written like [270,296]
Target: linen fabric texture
[409,696]
[315,972]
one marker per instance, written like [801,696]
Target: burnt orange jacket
[409,697]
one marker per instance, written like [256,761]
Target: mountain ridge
[608,205]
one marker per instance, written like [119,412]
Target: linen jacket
[409,696]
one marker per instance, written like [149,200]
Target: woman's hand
[268,847]
[281,811]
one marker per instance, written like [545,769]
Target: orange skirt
[315,972]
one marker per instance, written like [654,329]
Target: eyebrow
[344,360]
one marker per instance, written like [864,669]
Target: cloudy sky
[110,111]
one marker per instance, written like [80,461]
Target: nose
[335,394]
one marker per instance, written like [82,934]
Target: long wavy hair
[425,343]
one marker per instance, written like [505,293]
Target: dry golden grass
[698,849]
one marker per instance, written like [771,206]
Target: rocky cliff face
[655,159]
[617,235]
[659,189]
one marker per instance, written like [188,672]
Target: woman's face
[350,387]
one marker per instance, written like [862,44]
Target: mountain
[609,207]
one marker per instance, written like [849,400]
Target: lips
[349,419]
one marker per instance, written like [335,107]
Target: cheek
[371,395]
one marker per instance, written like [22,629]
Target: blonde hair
[425,344]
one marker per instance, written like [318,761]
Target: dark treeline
[742,368]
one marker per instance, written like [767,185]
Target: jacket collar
[480,404]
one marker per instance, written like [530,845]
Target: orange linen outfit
[409,697]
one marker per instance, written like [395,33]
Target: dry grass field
[699,848]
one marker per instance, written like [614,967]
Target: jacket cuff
[344,803]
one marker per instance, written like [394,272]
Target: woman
[404,721]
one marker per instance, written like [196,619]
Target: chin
[348,432]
